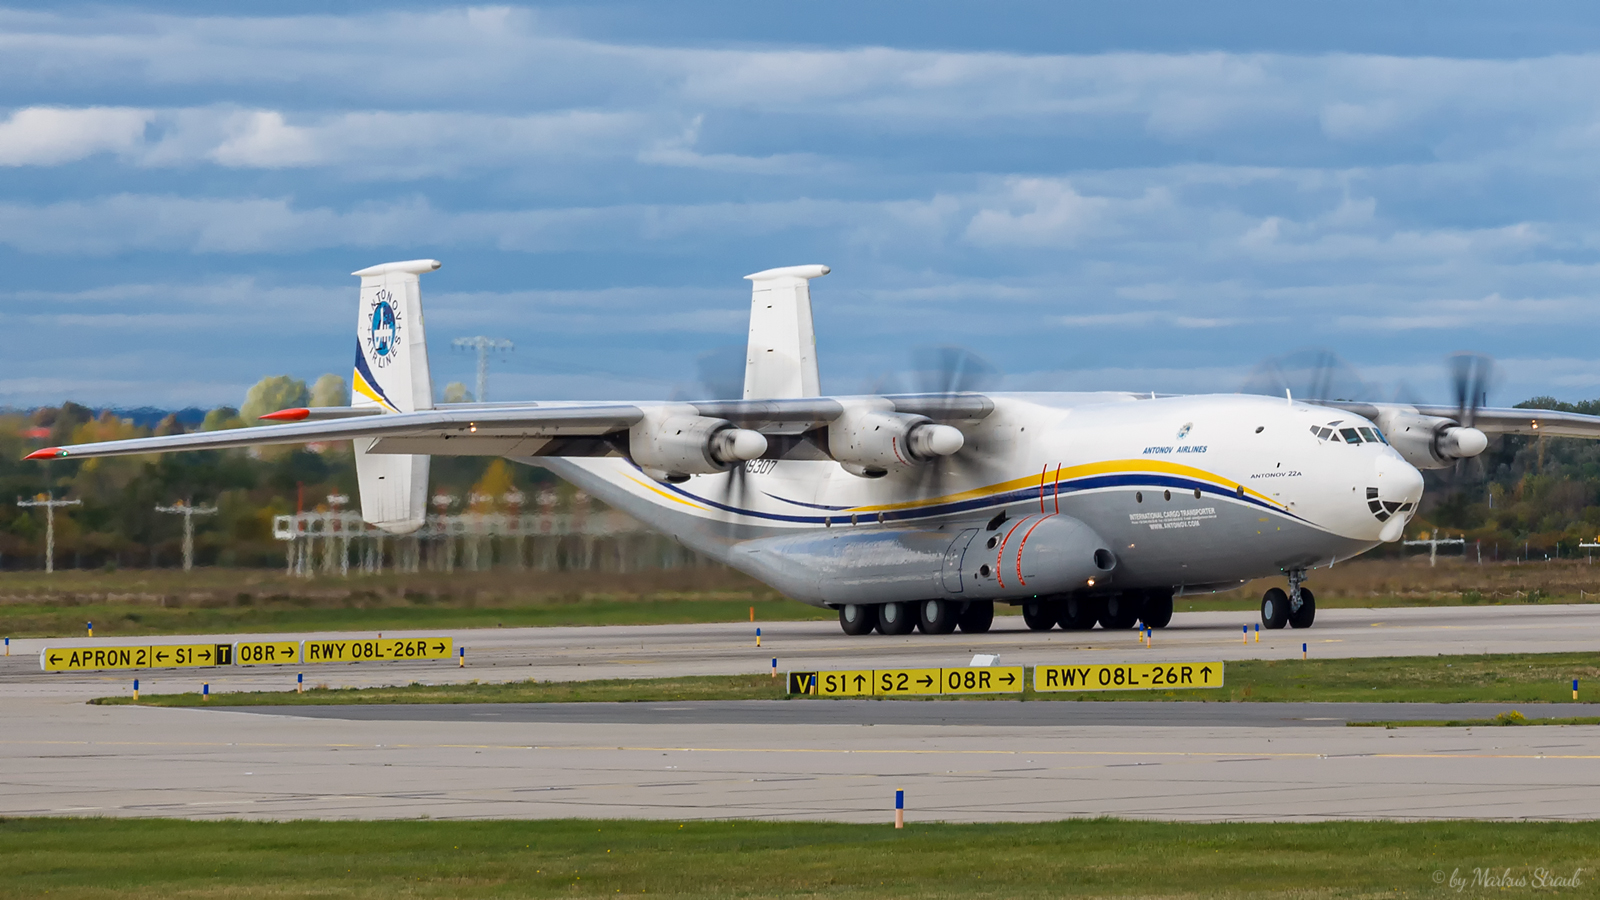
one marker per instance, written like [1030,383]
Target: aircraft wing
[1493,421]
[523,429]
[442,425]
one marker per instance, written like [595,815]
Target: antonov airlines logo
[383,329]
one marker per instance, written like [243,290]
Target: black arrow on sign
[1008,679]
[1205,672]
[161,655]
[859,679]
[205,654]
[925,680]
[439,647]
[54,658]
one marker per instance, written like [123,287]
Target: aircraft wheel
[977,617]
[1079,613]
[896,618]
[1157,609]
[1307,613]
[1121,611]
[857,618]
[937,616]
[1274,608]
[1039,615]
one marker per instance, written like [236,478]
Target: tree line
[1525,496]
[118,525]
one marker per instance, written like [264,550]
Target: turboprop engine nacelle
[1431,442]
[871,442]
[674,447]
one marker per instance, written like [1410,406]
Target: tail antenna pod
[781,360]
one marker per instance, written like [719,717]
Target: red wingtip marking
[46,453]
[288,415]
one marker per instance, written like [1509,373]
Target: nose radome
[1397,479]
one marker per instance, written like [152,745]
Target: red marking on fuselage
[1023,546]
[1001,554]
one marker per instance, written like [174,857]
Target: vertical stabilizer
[781,361]
[391,374]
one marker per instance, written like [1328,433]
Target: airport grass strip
[280,616]
[150,858]
[1496,678]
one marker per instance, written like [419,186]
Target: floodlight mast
[188,511]
[49,503]
[483,345]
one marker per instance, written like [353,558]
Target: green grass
[42,621]
[224,601]
[1508,678]
[162,858]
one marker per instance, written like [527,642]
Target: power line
[483,345]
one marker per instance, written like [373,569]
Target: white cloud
[49,136]
[1044,212]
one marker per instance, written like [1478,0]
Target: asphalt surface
[966,713]
[808,759]
[571,654]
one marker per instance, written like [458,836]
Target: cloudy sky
[1155,197]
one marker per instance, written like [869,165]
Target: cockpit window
[1359,435]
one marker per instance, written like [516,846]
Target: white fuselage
[1193,493]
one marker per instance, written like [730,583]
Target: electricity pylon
[188,511]
[483,345]
[49,503]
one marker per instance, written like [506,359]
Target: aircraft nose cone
[1395,495]
[1397,479]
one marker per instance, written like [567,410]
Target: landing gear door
[953,582]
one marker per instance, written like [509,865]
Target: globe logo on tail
[383,333]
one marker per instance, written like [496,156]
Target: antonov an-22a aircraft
[918,511]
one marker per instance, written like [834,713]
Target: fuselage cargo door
[953,557]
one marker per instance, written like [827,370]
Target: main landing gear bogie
[1070,613]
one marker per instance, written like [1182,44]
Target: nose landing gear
[1297,608]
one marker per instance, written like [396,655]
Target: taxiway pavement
[571,654]
[811,759]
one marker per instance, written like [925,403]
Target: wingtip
[47,453]
[288,415]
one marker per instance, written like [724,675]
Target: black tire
[1274,608]
[937,616]
[1121,611]
[896,618]
[1307,613]
[1078,613]
[1157,609]
[977,617]
[858,618]
[1039,615]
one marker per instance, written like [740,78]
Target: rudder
[391,373]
